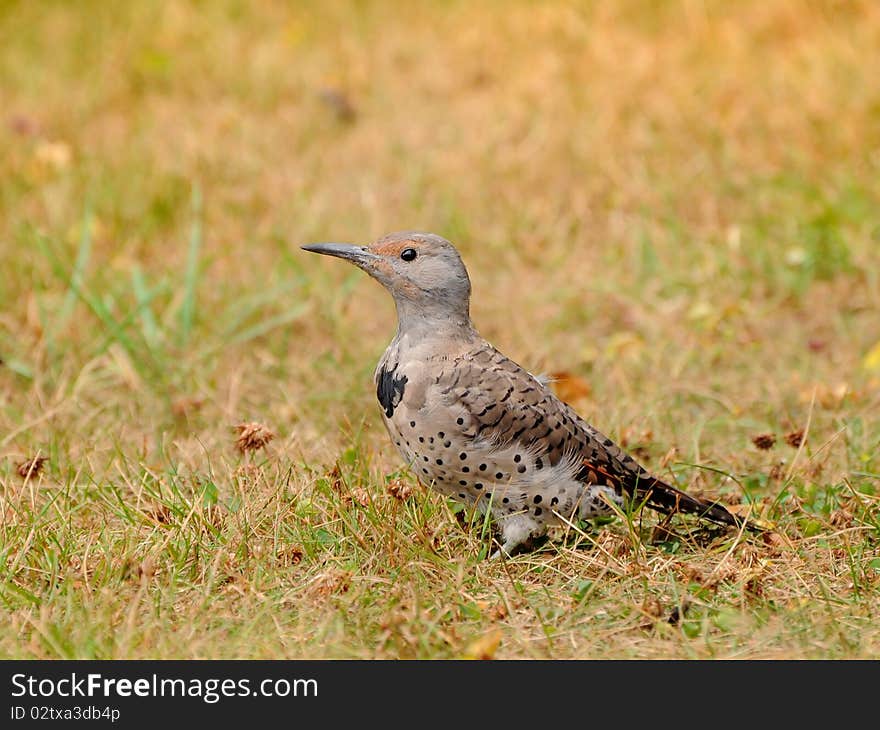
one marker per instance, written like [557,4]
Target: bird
[481,429]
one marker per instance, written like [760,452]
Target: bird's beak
[355,254]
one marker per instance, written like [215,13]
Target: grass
[674,205]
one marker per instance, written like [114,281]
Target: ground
[670,207]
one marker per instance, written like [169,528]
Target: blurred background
[687,188]
[672,207]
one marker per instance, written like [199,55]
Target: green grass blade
[75,281]
[191,277]
[143,296]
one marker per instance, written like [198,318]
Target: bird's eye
[408,254]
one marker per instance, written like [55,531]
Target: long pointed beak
[355,254]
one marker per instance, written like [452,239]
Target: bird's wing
[502,403]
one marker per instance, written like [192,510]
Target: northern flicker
[477,426]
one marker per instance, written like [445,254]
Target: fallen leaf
[764,441]
[749,512]
[827,396]
[623,343]
[399,489]
[872,358]
[570,387]
[841,518]
[483,647]
[53,154]
[185,405]
[252,436]
[31,468]
[159,513]
[333,581]
[668,457]
[24,125]
[339,102]
[774,540]
[652,607]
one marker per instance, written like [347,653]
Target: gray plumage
[475,425]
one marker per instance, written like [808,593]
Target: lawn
[674,208]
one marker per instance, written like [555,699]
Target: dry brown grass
[679,198]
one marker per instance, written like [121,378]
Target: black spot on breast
[389,390]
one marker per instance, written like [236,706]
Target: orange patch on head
[391,248]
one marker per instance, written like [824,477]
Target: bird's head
[422,271]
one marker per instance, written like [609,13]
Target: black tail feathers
[667,499]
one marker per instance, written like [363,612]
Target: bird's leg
[515,530]
[597,500]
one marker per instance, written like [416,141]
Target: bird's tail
[666,498]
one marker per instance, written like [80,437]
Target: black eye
[408,254]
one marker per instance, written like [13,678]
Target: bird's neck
[420,322]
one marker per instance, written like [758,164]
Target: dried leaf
[872,358]
[483,647]
[252,436]
[339,102]
[399,489]
[841,518]
[570,387]
[826,396]
[185,405]
[749,512]
[333,581]
[652,607]
[774,540]
[289,556]
[159,513]
[668,457]
[31,468]
[361,496]
[764,441]
[146,569]
[53,154]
